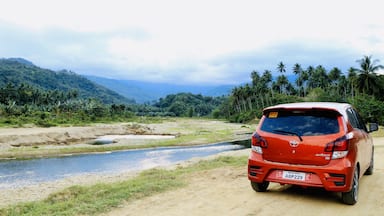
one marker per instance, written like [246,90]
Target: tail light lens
[339,147]
[258,143]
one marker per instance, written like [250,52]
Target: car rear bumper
[335,176]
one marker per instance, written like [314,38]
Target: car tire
[369,171]
[260,187]
[351,196]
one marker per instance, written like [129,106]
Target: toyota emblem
[293,143]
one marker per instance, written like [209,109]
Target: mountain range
[143,92]
[18,70]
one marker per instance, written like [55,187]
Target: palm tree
[266,79]
[352,77]
[310,72]
[319,78]
[281,67]
[255,78]
[367,80]
[282,82]
[334,75]
[299,81]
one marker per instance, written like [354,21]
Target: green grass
[100,198]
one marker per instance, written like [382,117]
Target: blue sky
[190,42]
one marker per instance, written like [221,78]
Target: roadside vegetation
[100,198]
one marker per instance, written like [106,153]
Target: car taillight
[339,147]
[258,143]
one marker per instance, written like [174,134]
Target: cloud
[190,42]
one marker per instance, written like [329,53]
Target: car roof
[339,107]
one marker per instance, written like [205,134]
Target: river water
[19,173]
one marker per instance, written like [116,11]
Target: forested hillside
[17,74]
[361,86]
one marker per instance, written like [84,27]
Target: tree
[318,78]
[334,75]
[367,80]
[300,77]
[352,80]
[282,82]
[281,67]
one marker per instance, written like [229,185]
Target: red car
[313,144]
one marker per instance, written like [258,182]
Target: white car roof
[339,107]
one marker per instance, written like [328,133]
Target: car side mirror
[373,127]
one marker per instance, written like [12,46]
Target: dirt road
[227,191]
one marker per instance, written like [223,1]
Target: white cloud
[189,41]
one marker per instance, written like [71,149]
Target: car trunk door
[290,149]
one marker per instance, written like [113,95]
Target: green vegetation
[43,85]
[32,95]
[189,105]
[99,198]
[362,87]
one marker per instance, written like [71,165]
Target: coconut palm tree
[352,77]
[367,80]
[282,80]
[334,75]
[299,81]
[281,67]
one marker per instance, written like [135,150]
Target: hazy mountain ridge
[143,92]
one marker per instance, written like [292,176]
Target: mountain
[143,92]
[17,71]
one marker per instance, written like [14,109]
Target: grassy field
[99,198]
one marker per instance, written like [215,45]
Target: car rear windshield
[301,122]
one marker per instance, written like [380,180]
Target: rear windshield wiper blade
[289,132]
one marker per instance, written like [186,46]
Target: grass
[100,198]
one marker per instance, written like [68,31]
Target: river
[19,173]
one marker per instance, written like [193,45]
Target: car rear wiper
[289,132]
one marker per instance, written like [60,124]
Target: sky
[207,42]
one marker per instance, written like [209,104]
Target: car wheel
[351,196]
[260,187]
[369,171]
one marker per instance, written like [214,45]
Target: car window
[301,122]
[356,120]
[352,118]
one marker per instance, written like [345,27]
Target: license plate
[297,176]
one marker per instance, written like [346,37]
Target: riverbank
[33,142]
[39,142]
